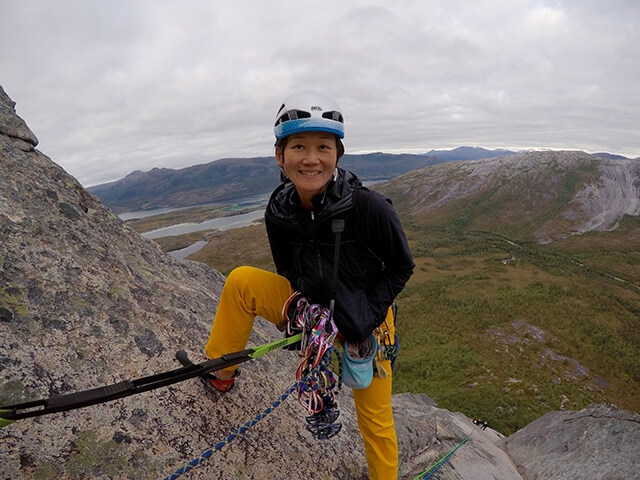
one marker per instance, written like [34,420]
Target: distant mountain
[383,166]
[610,156]
[468,153]
[228,179]
[222,180]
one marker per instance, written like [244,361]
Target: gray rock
[597,442]
[13,126]
[85,301]
[427,433]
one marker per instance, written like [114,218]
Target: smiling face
[309,160]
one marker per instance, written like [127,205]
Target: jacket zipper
[318,257]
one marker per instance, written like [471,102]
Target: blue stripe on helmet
[312,124]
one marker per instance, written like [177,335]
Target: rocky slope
[540,196]
[566,445]
[85,301]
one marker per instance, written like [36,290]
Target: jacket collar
[284,203]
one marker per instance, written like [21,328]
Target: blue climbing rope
[308,385]
[429,472]
[240,430]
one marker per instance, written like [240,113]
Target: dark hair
[281,143]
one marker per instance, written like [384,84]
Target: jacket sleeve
[384,235]
[282,253]
[390,243]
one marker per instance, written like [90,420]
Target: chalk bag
[357,362]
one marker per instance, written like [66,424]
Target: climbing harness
[388,348]
[242,429]
[72,401]
[361,361]
[429,472]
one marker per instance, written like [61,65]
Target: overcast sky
[114,86]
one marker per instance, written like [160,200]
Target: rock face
[428,433]
[85,301]
[615,195]
[598,442]
[12,126]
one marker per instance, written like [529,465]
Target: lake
[185,252]
[223,223]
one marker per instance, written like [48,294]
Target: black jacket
[375,261]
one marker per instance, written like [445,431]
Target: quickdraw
[388,348]
[317,394]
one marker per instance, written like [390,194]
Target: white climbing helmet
[309,111]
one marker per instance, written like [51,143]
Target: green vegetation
[466,320]
[501,327]
[240,246]
[11,299]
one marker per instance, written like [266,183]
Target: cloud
[110,87]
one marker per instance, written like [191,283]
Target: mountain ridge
[227,179]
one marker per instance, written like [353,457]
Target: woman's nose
[312,157]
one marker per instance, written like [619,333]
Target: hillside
[218,181]
[513,298]
[537,196]
[527,292]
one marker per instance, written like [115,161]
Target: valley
[497,327]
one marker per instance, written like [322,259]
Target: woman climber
[353,268]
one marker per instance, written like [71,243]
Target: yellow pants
[250,291]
